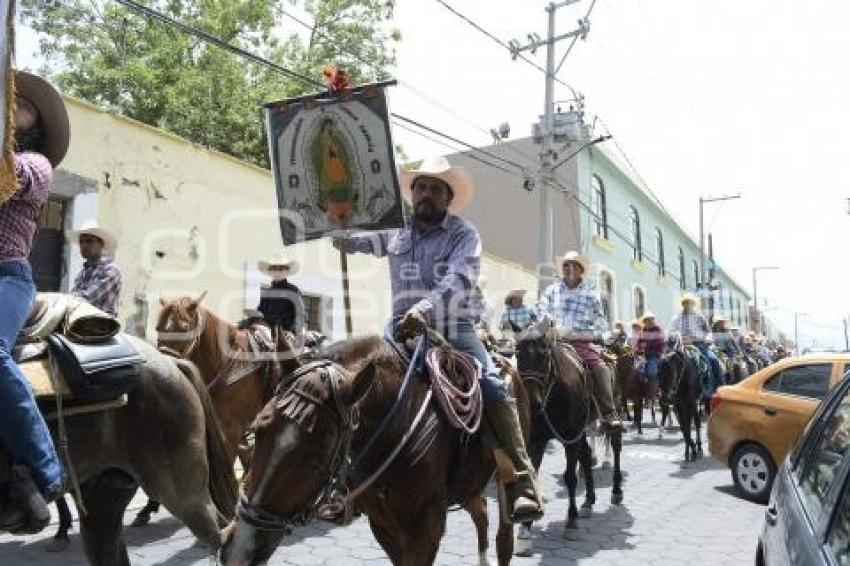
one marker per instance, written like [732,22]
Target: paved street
[672,515]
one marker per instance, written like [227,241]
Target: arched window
[635,221]
[597,205]
[740,317]
[659,251]
[696,274]
[606,294]
[683,282]
[639,302]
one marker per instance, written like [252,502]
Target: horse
[562,410]
[633,388]
[681,387]
[354,416]
[167,440]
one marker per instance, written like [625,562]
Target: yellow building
[189,219]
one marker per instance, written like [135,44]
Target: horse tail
[223,486]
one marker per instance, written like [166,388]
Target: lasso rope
[461,402]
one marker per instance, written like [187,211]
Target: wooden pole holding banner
[346,288]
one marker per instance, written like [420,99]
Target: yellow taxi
[755,423]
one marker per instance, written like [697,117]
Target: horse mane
[355,354]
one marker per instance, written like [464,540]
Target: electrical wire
[575,39]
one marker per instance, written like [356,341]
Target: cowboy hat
[457,178]
[51,112]
[689,297]
[90,228]
[646,315]
[574,257]
[279,263]
[636,322]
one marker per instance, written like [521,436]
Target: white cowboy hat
[90,228]
[457,178]
[279,262]
[647,314]
[574,257]
[689,297]
[51,113]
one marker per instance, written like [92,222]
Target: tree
[111,56]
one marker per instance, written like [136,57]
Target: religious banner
[8,181]
[333,163]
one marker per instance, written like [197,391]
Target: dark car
[807,520]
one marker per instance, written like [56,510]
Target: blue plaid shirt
[574,310]
[692,326]
[522,317]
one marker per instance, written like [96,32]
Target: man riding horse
[693,329]
[41,140]
[575,313]
[434,269]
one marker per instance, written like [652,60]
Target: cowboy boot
[503,419]
[24,494]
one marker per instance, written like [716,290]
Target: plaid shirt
[19,215]
[692,326]
[100,285]
[574,310]
[522,317]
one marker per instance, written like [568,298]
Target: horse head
[303,437]
[180,324]
[535,365]
[670,374]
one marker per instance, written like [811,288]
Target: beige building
[189,219]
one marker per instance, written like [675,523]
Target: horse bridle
[193,343]
[345,419]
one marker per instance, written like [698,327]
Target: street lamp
[702,202]
[796,335]
[757,324]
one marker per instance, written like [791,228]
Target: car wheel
[753,472]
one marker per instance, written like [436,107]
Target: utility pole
[846,335]
[756,327]
[796,335]
[702,201]
[544,179]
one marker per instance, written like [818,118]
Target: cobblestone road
[672,514]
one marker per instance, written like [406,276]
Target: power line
[575,39]
[502,43]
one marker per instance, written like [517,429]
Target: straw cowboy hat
[646,315]
[689,297]
[575,257]
[279,263]
[457,178]
[51,111]
[90,228]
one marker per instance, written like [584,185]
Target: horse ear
[200,298]
[162,301]
[355,388]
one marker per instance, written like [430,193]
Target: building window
[597,205]
[738,305]
[636,245]
[659,251]
[639,302]
[606,294]
[319,313]
[683,282]
[696,274]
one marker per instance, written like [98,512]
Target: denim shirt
[435,272]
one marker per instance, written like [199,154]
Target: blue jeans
[716,371]
[463,338]
[22,428]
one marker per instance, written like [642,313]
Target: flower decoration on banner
[337,80]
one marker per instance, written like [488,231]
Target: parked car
[807,521]
[755,423]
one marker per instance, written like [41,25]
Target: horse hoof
[58,545]
[523,548]
[585,512]
[483,560]
[616,498]
[571,533]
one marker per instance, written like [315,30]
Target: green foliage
[117,59]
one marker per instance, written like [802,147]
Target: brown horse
[633,388]
[240,378]
[416,464]
[166,440]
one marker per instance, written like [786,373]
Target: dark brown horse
[166,440]
[633,388]
[562,409]
[407,466]
[681,387]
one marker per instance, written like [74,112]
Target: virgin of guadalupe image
[333,164]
